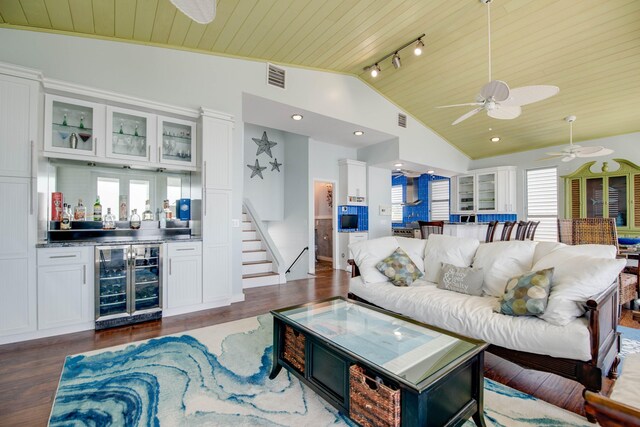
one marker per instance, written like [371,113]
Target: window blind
[542,202]
[439,200]
[396,203]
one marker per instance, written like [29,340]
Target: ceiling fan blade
[596,151]
[496,89]
[505,113]
[557,153]
[547,158]
[467,115]
[461,105]
[530,94]
[568,158]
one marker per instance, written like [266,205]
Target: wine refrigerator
[128,284]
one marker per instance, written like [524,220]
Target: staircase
[258,268]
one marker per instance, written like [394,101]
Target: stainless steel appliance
[128,284]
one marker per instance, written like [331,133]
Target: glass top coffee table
[378,367]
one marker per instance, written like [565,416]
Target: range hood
[411,198]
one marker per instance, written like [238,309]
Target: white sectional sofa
[576,337]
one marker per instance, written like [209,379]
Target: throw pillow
[527,295]
[501,261]
[440,248]
[464,280]
[399,268]
[368,253]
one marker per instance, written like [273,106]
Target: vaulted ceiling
[588,48]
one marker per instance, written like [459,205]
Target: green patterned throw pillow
[399,268]
[527,295]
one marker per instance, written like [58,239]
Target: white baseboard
[237,297]
[44,333]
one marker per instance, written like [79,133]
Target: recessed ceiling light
[431,172]
[297,117]
[398,169]
[398,165]
[495,139]
[358,133]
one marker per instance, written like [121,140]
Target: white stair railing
[272,249]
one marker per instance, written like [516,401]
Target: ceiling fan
[497,99]
[573,151]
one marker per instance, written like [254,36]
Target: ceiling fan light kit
[496,98]
[374,69]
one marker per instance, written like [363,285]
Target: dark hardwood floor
[29,371]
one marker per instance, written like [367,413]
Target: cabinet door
[486,192]
[216,246]
[18,115]
[63,295]
[216,153]
[131,135]
[466,193]
[177,145]
[617,207]
[184,285]
[72,127]
[595,197]
[357,183]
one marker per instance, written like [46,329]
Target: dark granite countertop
[74,243]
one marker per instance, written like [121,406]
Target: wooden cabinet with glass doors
[605,194]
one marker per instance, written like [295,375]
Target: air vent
[275,76]
[402,120]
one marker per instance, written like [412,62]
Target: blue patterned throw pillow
[527,295]
[399,268]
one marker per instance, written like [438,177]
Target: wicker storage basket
[294,348]
[628,287]
[372,404]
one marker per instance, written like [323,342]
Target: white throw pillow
[501,261]
[545,248]
[458,251]
[368,253]
[577,277]
[414,248]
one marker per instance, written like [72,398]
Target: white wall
[291,234]
[379,194]
[322,209]
[624,147]
[267,193]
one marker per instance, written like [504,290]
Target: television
[349,222]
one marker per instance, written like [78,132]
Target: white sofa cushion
[579,274]
[368,253]
[502,261]
[458,251]
[414,248]
[545,248]
[475,317]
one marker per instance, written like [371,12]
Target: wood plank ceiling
[589,48]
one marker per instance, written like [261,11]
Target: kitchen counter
[148,241]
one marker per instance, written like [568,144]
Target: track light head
[375,70]
[417,51]
[396,61]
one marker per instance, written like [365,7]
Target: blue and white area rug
[218,376]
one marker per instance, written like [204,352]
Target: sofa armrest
[602,314]
[355,271]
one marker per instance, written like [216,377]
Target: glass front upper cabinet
[486,192]
[130,134]
[177,141]
[465,193]
[72,126]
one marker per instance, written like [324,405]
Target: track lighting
[396,61]
[417,51]
[374,69]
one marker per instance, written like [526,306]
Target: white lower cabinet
[65,288]
[184,275]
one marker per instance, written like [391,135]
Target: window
[174,189]
[108,189]
[542,202]
[138,195]
[396,203]
[439,200]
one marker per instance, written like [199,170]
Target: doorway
[323,220]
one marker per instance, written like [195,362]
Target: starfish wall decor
[256,169]
[264,145]
[275,165]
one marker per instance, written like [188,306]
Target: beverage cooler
[128,284]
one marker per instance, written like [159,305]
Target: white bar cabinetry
[184,277]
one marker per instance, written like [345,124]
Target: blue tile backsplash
[421,211]
[363,217]
[487,217]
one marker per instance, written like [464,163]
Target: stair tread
[250,276]
[252,240]
[257,262]
[255,250]
[245,231]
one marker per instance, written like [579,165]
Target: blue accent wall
[363,217]
[421,211]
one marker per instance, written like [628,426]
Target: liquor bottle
[135,219]
[65,223]
[166,208]
[147,215]
[80,212]
[97,210]
[109,222]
